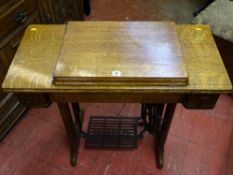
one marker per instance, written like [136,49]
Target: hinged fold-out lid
[120,53]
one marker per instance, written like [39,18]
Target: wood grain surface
[34,64]
[120,53]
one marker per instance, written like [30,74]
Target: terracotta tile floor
[200,142]
[179,11]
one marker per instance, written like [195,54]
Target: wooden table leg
[72,129]
[163,133]
[78,114]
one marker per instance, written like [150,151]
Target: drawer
[6,4]
[16,16]
[200,101]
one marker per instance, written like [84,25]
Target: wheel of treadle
[159,159]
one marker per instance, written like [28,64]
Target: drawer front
[200,101]
[7,53]
[6,4]
[16,16]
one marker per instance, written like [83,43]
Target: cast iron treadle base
[112,132]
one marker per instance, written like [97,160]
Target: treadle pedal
[112,132]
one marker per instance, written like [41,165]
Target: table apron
[116,97]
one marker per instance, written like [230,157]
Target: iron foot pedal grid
[112,132]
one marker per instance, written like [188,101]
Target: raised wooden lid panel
[116,53]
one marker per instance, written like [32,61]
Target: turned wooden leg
[163,133]
[78,114]
[72,130]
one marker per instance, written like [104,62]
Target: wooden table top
[34,64]
[120,53]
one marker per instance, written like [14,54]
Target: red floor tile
[136,10]
[145,168]
[61,157]
[131,110]
[212,132]
[98,167]
[111,108]
[23,130]
[225,106]
[13,161]
[47,143]
[203,161]
[175,151]
[46,168]
[41,141]
[182,122]
[229,170]
[123,162]
[50,115]
[87,157]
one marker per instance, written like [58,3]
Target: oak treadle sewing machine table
[33,67]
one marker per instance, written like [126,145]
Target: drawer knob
[21,16]
[204,100]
